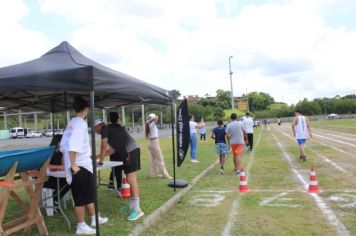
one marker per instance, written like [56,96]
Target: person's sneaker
[168,177]
[301,158]
[194,161]
[102,220]
[237,172]
[111,186]
[134,215]
[125,208]
[85,230]
[221,171]
[304,158]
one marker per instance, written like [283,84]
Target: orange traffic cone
[243,182]
[125,188]
[313,182]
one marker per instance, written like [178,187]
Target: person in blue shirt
[219,134]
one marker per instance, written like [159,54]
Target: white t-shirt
[301,128]
[235,130]
[248,125]
[192,125]
[153,130]
[76,139]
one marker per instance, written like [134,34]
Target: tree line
[263,105]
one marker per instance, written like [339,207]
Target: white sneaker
[102,220]
[85,230]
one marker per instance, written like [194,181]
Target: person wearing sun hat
[157,159]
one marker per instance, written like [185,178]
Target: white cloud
[18,44]
[285,49]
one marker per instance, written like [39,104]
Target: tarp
[49,82]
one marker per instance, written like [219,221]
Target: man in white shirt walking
[301,131]
[248,126]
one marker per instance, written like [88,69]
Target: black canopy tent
[50,82]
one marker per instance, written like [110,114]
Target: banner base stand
[180,183]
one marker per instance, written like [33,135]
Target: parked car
[59,131]
[49,134]
[17,132]
[37,134]
[28,133]
[332,116]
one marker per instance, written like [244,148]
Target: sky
[290,49]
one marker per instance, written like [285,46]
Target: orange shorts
[237,149]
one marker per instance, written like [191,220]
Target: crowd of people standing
[73,152]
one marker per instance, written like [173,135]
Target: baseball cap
[98,122]
[152,116]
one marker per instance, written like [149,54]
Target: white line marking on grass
[279,197]
[338,136]
[321,156]
[331,131]
[335,140]
[327,212]
[235,205]
[232,218]
[207,200]
[348,200]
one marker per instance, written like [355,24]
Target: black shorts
[83,187]
[132,162]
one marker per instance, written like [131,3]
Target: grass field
[277,204]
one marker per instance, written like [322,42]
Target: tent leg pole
[93,151]
[173,146]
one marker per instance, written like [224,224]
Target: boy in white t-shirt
[78,166]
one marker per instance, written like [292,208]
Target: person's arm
[245,136]
[103,149]
[294,123]
[212,135]
[200,125]
[308,125]
[73,157]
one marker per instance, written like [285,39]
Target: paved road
[22,143]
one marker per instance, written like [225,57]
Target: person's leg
[79,213]
[118,176]
[156,151]
[193,146]
[250,140]
[153,166]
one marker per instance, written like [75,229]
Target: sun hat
[98,122]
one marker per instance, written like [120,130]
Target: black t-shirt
[118,139]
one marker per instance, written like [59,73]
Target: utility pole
[232,92]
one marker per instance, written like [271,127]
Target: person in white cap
[157,159]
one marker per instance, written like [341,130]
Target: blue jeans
[193,146]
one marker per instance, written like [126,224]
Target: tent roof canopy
[49,83]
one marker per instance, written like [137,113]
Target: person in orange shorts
[237,137]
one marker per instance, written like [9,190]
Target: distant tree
[175,94]
[259,101]
[223,98]
[308,107]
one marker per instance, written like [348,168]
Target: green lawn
[289,209]
[154,192]
[342,125]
